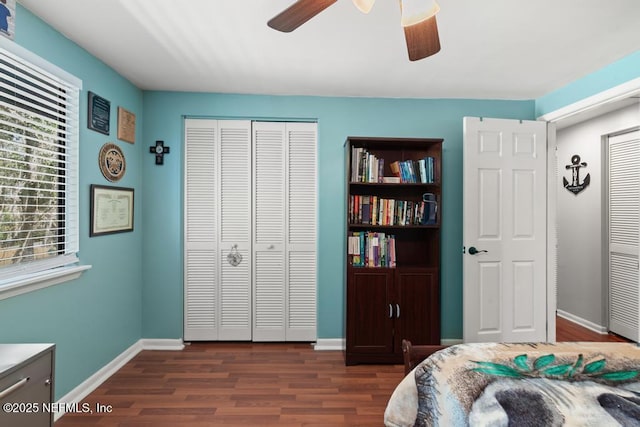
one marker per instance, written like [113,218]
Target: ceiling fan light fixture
[364,5]
[415,11]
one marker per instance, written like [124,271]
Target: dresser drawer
[26,389]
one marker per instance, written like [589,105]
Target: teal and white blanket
[492,384]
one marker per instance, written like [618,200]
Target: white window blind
[38,166]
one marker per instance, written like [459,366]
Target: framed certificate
[111,210]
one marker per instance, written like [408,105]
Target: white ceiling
[491,49]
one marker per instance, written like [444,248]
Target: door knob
[473,250]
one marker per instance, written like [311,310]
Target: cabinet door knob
[397,311]
[390,311]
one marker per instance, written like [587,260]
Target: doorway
[582,259]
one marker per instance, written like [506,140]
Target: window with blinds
[38,167]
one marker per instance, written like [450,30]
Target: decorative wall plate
[111,161]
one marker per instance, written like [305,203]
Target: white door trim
[552,232]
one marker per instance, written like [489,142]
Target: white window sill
[32,282]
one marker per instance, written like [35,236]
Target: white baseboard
[90,384]
[451,341]
[162,344]
[582,322]
[330,344]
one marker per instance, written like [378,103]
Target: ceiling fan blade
[422,39]
[297,14]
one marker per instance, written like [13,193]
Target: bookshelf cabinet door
[370,311]
[418,297]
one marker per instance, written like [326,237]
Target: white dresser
[26,384]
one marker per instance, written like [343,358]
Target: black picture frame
[111,210]
[99,113]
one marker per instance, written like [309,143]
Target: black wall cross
[159,150]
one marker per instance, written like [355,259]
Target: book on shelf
[391,179]
[371,249]
[415,171]
[365,167]
[375,210]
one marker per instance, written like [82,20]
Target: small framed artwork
[126,125]
[111,210]
[99,114]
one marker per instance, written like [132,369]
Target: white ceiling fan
[418,21]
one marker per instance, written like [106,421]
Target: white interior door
[505,221]
[624,228]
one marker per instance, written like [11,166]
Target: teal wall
[96,317]
[614,74]
[134,289]
[337,119]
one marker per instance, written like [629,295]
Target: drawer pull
[6,392]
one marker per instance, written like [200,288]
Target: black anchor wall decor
[575,186]
[159,150]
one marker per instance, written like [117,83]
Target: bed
[527,384]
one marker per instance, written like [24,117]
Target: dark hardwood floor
[569,331]
[243,384]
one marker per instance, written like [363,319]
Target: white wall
[582,289]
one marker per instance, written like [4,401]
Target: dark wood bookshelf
[386,304]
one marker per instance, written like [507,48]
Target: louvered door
[624,229]
[284,231]
[270,295]
[200,231]
[269,240]
[217,302]
[301,231]
[235,229]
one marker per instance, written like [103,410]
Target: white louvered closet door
[217,220]
[301,231]
[200,230]
[624,233]
[269,239]
[284,231]
[234,193]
